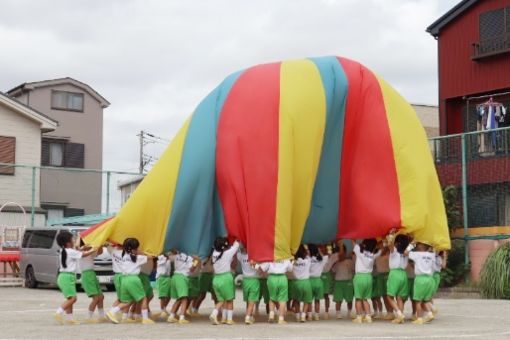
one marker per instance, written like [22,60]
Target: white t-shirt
[317,266]
[87,262]
[276,267]
[222,265]
[438,264]
[382,264]
[133,268]
[301,268]
[164,266]
[344,270]
[364,260]
[72,258]
[116,255]
[183,264]
[248,270]
[423,262]
[397,260]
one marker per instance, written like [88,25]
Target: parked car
[39,261]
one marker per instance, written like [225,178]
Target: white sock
[399,313]
[271,314]
[125,316]
[115,310]
[181,317]
[131,315]
[60,310]
[224,314]
[138,316]
[101,312]
[69,316]
[91,314]
[281,318]
[297,316]
[172,315]
[303,315]
[145,313]
[230,315]
[214,312]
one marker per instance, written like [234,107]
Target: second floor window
[494,24]
[60,153]
[70,101]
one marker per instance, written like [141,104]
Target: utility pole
[141,165]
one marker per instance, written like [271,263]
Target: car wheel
[110,288]
[30,281]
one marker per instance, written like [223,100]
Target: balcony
[491,47]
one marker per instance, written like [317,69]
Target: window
[60,153]
[70,101]
[492,24]
[7,154]
[42,239]
[494,32]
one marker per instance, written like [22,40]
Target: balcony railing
[491,47]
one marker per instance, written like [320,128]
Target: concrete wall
[18,188]
[75,190]
[478,252]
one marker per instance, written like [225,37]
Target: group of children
[379,271]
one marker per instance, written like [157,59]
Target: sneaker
[377,316]
[414,317]
[418,321]
[303,318]
[58,318]
[214,319]
[389,316]
[353,315]
[357,319]
[316,317]
[171,319]
[111,316]
[223,320]
[72,322]
[270,320]
[398,319]
[147,322]
[282,322]
[367,319]
[247,320]
[230,322]
[163,316]
[429,318]
[183,322]
[339,316]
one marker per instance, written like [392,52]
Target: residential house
[429,118]
[474,80]
[21,128]
[76,143]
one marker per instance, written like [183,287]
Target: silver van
[39,261]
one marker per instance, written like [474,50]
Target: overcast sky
[155,60]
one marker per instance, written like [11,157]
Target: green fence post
[464,198]
[32,208]
[108,173]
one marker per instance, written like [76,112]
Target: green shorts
[179,287]
[437,281]
[397,283]
[328,282]
[164,286]
[317,288]
[303,291]
[264,291]
[344,291]
[223,285]
[131,289]
[194,286]
[117,284]
[278,287]
[67,284]
[379,285]
[410,287]
[423,288]
[291,289]
[251,289]
[362,286]
[146,282]
[205,282]
[89,283]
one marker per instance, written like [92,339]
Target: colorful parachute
[296,151]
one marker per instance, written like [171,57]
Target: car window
[42,239]
[26,237]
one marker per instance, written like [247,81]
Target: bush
[495,275]
[455,270]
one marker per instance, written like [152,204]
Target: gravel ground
[27,313]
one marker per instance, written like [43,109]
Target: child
[382,269]
[410,290]
[132,290]
[205,285]
[364,264]
[116,254]
[302,286]
[397,289]
[424,284]
[194,289]
[163,283]
[223,281]
[327,276]
[318,262]
[264,293]
[90,284]
[278,287]
[343,288]
[145,277]
[251,285]
[68,259]
[184,265]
